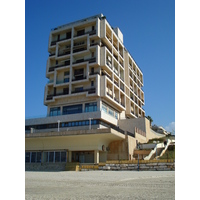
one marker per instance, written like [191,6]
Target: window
[51,156]
[39,156]
[92,54]
[72,109]
[27,158]
[66,73]
[54,111]
[63,156]
[65,90]
[110,112]
[93,122]
[92,83]
[79,89]
[104,108]
[68,35]
[33,157]
[81,32]
[92,70]
[91,107]
[57,156]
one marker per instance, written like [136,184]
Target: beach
[100,185]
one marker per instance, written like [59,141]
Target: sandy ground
[100,185]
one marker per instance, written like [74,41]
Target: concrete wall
[118,150]
[45,166]
[142,167]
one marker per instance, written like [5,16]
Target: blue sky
[148,28]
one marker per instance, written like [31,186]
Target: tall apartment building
[94,97]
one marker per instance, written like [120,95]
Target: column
[69,158]
[96,156]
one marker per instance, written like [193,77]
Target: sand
[100,185]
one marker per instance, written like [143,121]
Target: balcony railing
[109,94]
[62,53]
[90,60]
[49,97]
[57,66]
[93,73]
[105,74]
[79,78]
[116,83]
[93,32]
[55,41]
[89,90]
[122,104]
[117,100]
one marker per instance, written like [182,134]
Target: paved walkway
[100,185]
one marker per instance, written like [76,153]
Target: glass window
[27,159]
[94,122]
[33,157]
[111,112]
[57,156]
[66,73]
[104,108]
[116,115]
[73,123]
[91,107]
[79,123]
[66,80]
[72,109]
[45,156]
[39,156]
[51,156]
[54,111]
[63,156]
[83,123]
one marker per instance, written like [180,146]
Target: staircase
[166,147]
[159,148]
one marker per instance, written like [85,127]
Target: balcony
[81,46]
[117,100]
[58,66]
[95,43]
[52,54]
[94,73]
[89,90]
[78,78]
[55,41]
[90,60]
[64,52]
[49,97]
[109,95]
[105,74]
[116,83]
[93,32]
[122,104]
[66,80]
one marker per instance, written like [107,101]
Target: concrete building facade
[94,98]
